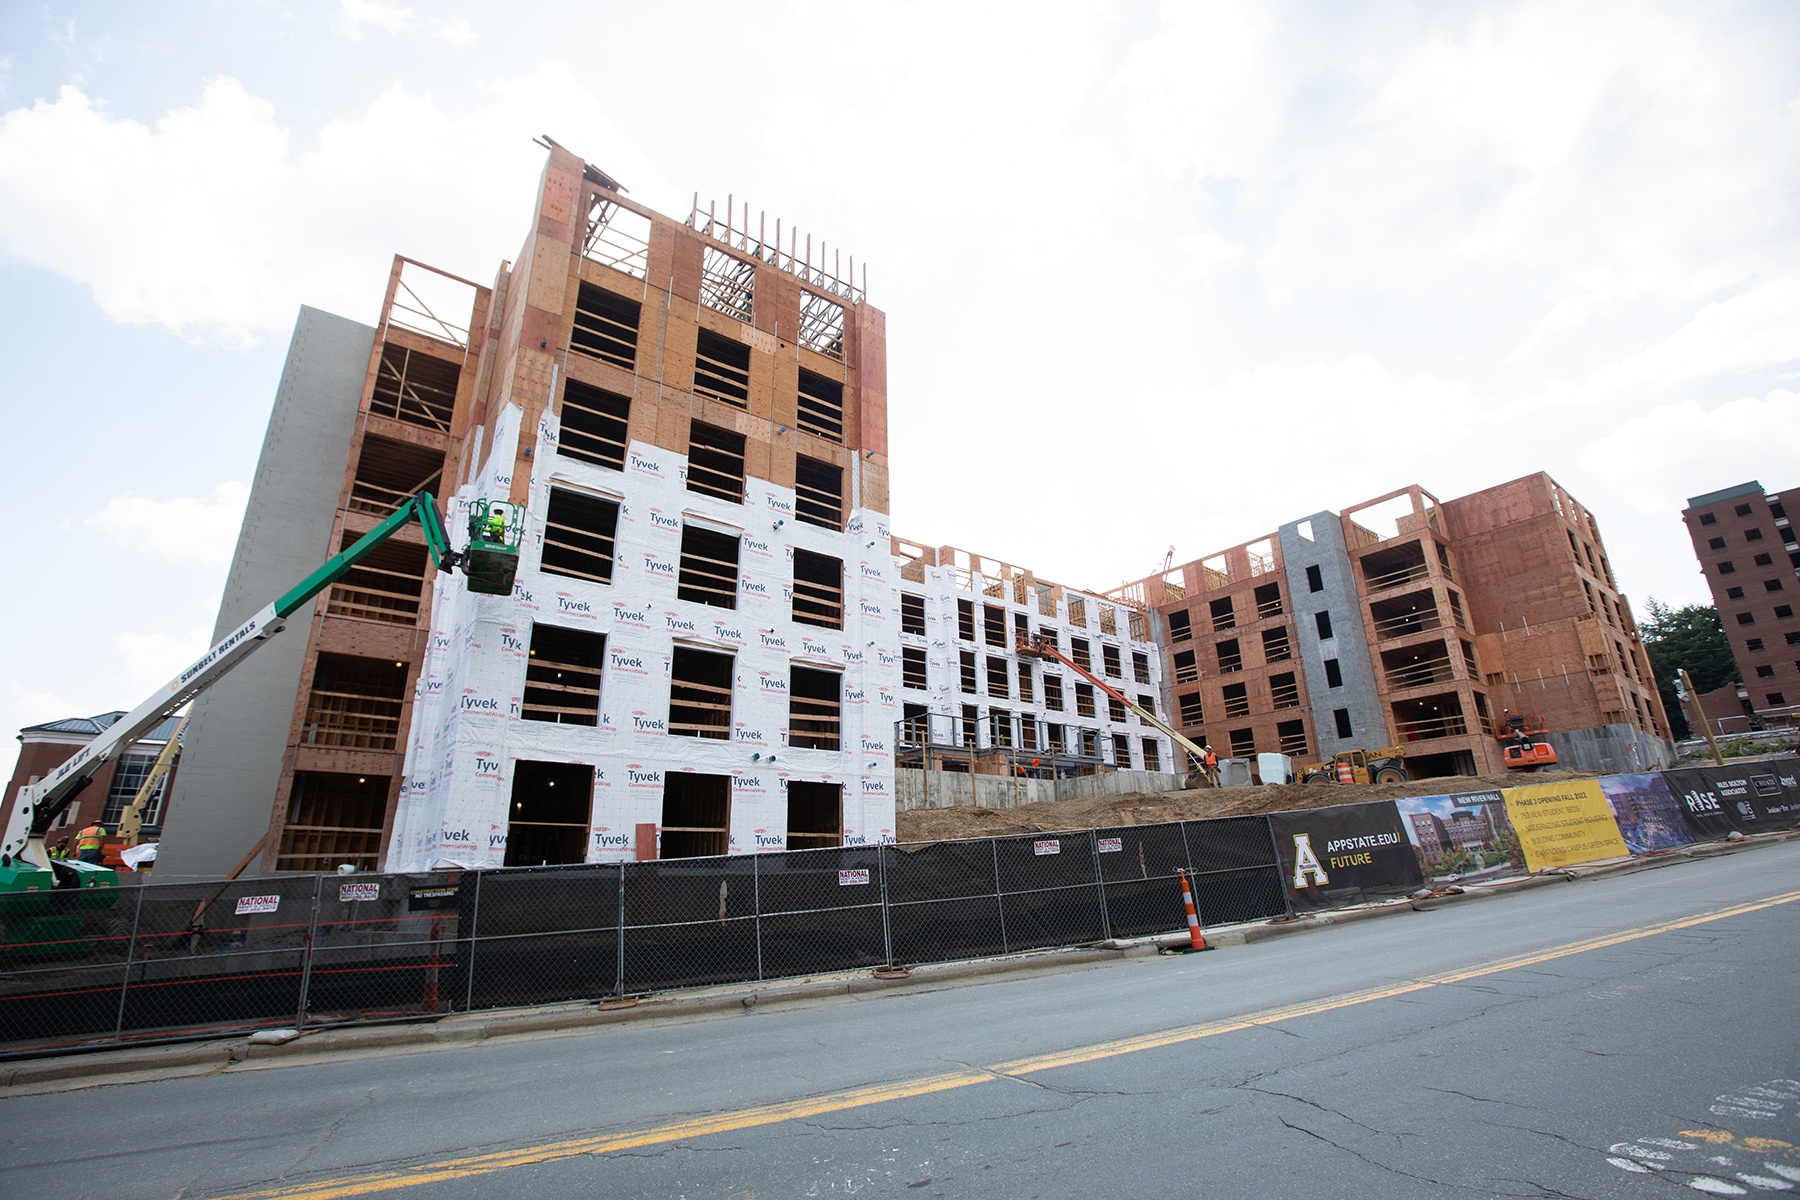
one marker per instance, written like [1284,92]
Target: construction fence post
[1287,905]
[1100,883]
[312,929]
[130,956]
[756,907]
[887,931]
[620,972]
[474,932]
[999,896]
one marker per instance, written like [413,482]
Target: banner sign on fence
[1750,798]
[349,893]
[853,878]
[1112,845]
[1051,846]
[430,899]
[257,904]
[1563,824]
[1330,855]
[1647,812]
[1461,837]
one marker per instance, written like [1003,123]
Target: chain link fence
[109,966]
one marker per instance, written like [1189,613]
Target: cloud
[1655,461]
[185,529]
[149,659]
[228,227]
[353,16]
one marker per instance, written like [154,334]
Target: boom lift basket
[495,528]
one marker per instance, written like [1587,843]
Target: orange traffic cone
[1196,939]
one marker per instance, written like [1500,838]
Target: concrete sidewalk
[131,1064]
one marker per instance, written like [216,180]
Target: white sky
[1154,275]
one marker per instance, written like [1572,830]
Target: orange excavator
[1522,750]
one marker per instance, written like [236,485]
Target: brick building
[1412,622]
[693,417]
[44,747]
[1750,556]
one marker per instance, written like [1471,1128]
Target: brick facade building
[1750,555]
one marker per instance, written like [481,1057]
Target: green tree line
[1690,637]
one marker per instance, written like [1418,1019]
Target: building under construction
[1406,621]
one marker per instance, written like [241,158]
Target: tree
[1691,637]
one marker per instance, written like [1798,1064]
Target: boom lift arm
[42,802]
[1037,646]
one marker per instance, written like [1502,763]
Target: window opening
[1109,621]
[1028,732]
[821,406]
[562,676]
[1342,717]
[616,237]
[821,325]
[818,492]
[967,677]
[389,473]
[1122,751]
[1743,510]
[1186,669]
[728,284]
[1268,601]
[1078,651]
[912,614]
[1192,713]
[1237,699]
[1334,675]
[1284,690]
[1180,627]
[915,726]
[415,388]
[700,694]
[1231,658]
[1114,710]
[1025,681]
[1109,658]
[1152,755]
[1140,667]
[993,622]
[815,699]
[965,620]
[1139,626]
[971,719]
[1000,731]
[997,676]
[1276,647]
[912,667]
[696,815]
[551,807]
[595,425]
[1146,702]
[709,567]
[1078,612]
[1762,560]
[127,778]
[815,815]
[1084,700]
[715,462]
[722,369]
[385,586]
[818,589]
[1053,691]
[1243,743]
[1323,621]
[578,535]
[606,326]
[1222,615]
[1315,580]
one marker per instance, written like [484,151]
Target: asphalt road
[1637,1036]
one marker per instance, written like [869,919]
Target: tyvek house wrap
[467,733]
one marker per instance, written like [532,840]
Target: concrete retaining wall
[950,789]
[1610,749]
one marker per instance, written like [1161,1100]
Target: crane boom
[42,802]
[1037,646]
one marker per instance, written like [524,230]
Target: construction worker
[89,841]
[61,849]
[495,529]
[1212,765]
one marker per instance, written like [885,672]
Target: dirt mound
[1149,808]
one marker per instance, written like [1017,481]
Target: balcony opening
[971,722]
[709,567]
[700,694]
[821,406]
[1231,657]
[818,589]
[415,388]
[333,819]
[1000,729]
[1417,666]
[551,807]
[355,703]
[1402,616]
[1237,699]
[696,815]
[578,535]
[606,326]
[815,815]
[1430,717]
[389,473]
[562,676]
[815,700]
[595,425]
[722,369]
[386,585]
[915,725]
[1394,566]
[818,492]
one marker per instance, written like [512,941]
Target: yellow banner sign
[1562,824]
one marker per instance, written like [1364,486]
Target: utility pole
[1687,686]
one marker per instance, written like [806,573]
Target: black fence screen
[158,961]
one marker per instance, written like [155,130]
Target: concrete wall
[1328,551]
[953,789]
[1610,749]
[232,751]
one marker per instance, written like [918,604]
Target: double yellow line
[792,1110]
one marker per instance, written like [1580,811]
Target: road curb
[142,1063]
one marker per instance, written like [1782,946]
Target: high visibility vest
[90,838]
